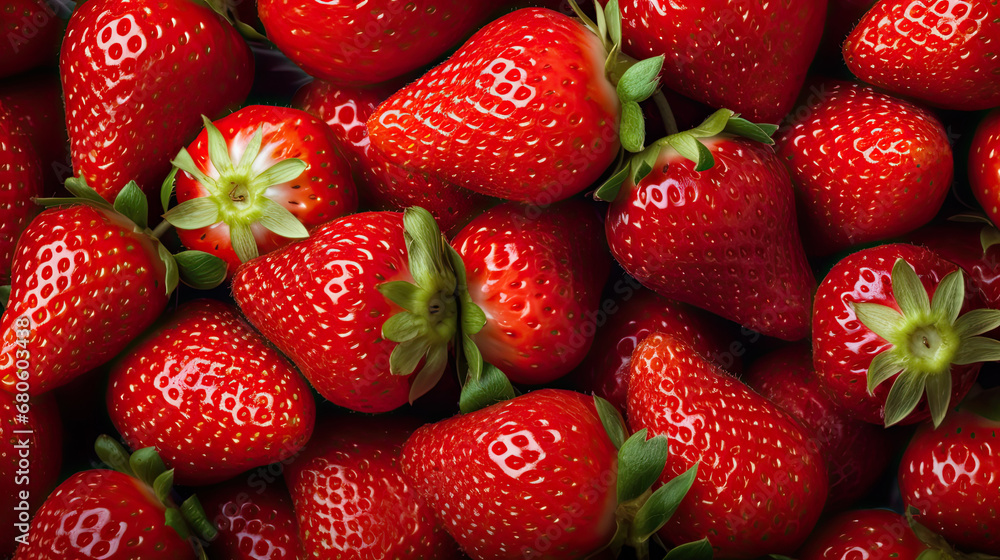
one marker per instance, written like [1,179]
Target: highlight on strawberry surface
[499,280]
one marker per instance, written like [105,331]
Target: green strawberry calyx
[237,193]
[927,337]
[188,518]
[937,547]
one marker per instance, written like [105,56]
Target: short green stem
[665,112]
[161,228]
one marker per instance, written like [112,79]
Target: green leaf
[78,187]
[194,515]
[4,296]
[988,237]
[613,18]
[948,296]
[251,152]
[758,132]
[147,465]
[249,33]
[640,80]
[163,484]
[218,150]
[977,349]
[243,242]
[167,189]
[407,355]
[424,246]
[904,396]
[608,191]
[695,550]
[713,125]
[643,163]
[640,463]
[282,172]
[938,387]
[880,319]
[172,518]
[611,420]
[403,294]
[172,275]
[632,131]
[601,21]
[193,214]
[201,270]
[977,321]
[113,454]
[473,358]
[281,221]
[883,366]
[662,505]
[488,389]
[430,374]
[131,203]
[908,290]
[186,163]
[690,148]
[404,326]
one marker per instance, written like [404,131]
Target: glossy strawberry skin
[102,514]
[537,273]
[874,534]
[760,486]
[383,185]
[961,244]
[856,452]
[20,181]
[949,474]
[31,32]
[843,348]
[88,284]
[352,500]
[138,96]
[364,42]
[322,192]
[317,301]
[206,375]
[940,53]
[746,261]
[35,104]
[718,52]
[522,111]
[256,520]
[865,166]
[542,458]
[984,165]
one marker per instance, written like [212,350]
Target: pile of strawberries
[500,280]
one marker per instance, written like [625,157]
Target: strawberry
[949,474]
[719,52]
[760,487]
[351,498]
[120,514]
[970,245]
[137,76]
[940,53]
[873,534]
[365,42]
[856,452]
[537,274]
[893,312]
[707,217]
[31,31]
[523,110]
[205,375]
[984,165]
[255,180]
[865,166]
[20,181]
[383,185]
[34,102]
[255,520]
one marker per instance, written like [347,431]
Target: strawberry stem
[663,106]
[160,229]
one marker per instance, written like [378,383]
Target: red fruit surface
[984,165]
[31,32]
[961,243]
[724,239]
[20,181]
[522,111]
[255,520]
[760,486]
[865,166]
[942,53]
[137,76]
[748,57]
[537,273]
[383,185]
[542,459]
[872,534]
[34,103]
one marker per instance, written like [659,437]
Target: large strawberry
[751,57]
[893,312]
[984,165]
[524,110]
[20,181]
[872,534]
[865,166]
[761,485]
[256,179]
[35,104]
[210,394]
[942,53]
[31,33]
[722,237]
[383,185]
[255,520]
[364,41]
[537,274]
[137,76]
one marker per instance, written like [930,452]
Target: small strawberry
[872,534]
[255,520]
[137,76]
[256,179]
[749,57]
[206,376]
[942,53]
[865,166]
[984,165]
[707,217]
[20,181]
[31,32]
[537,274]
[35,104]
[383,185]
[893,312]
[760,487]
[351,498]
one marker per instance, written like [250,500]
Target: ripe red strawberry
[255,520]
[949,474]
[35,104]
[256,179]
[320,301]
[760,486]
[31,33]
[865,166]
[720,237]
[984,165]
[210,394]
[892,312]
[856,452]
[20,181]
[537,274]
[941,53]
[366,42]
[383,185]
[351,498]
[972,246]
[137,76]
[873,534]
[751,58]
